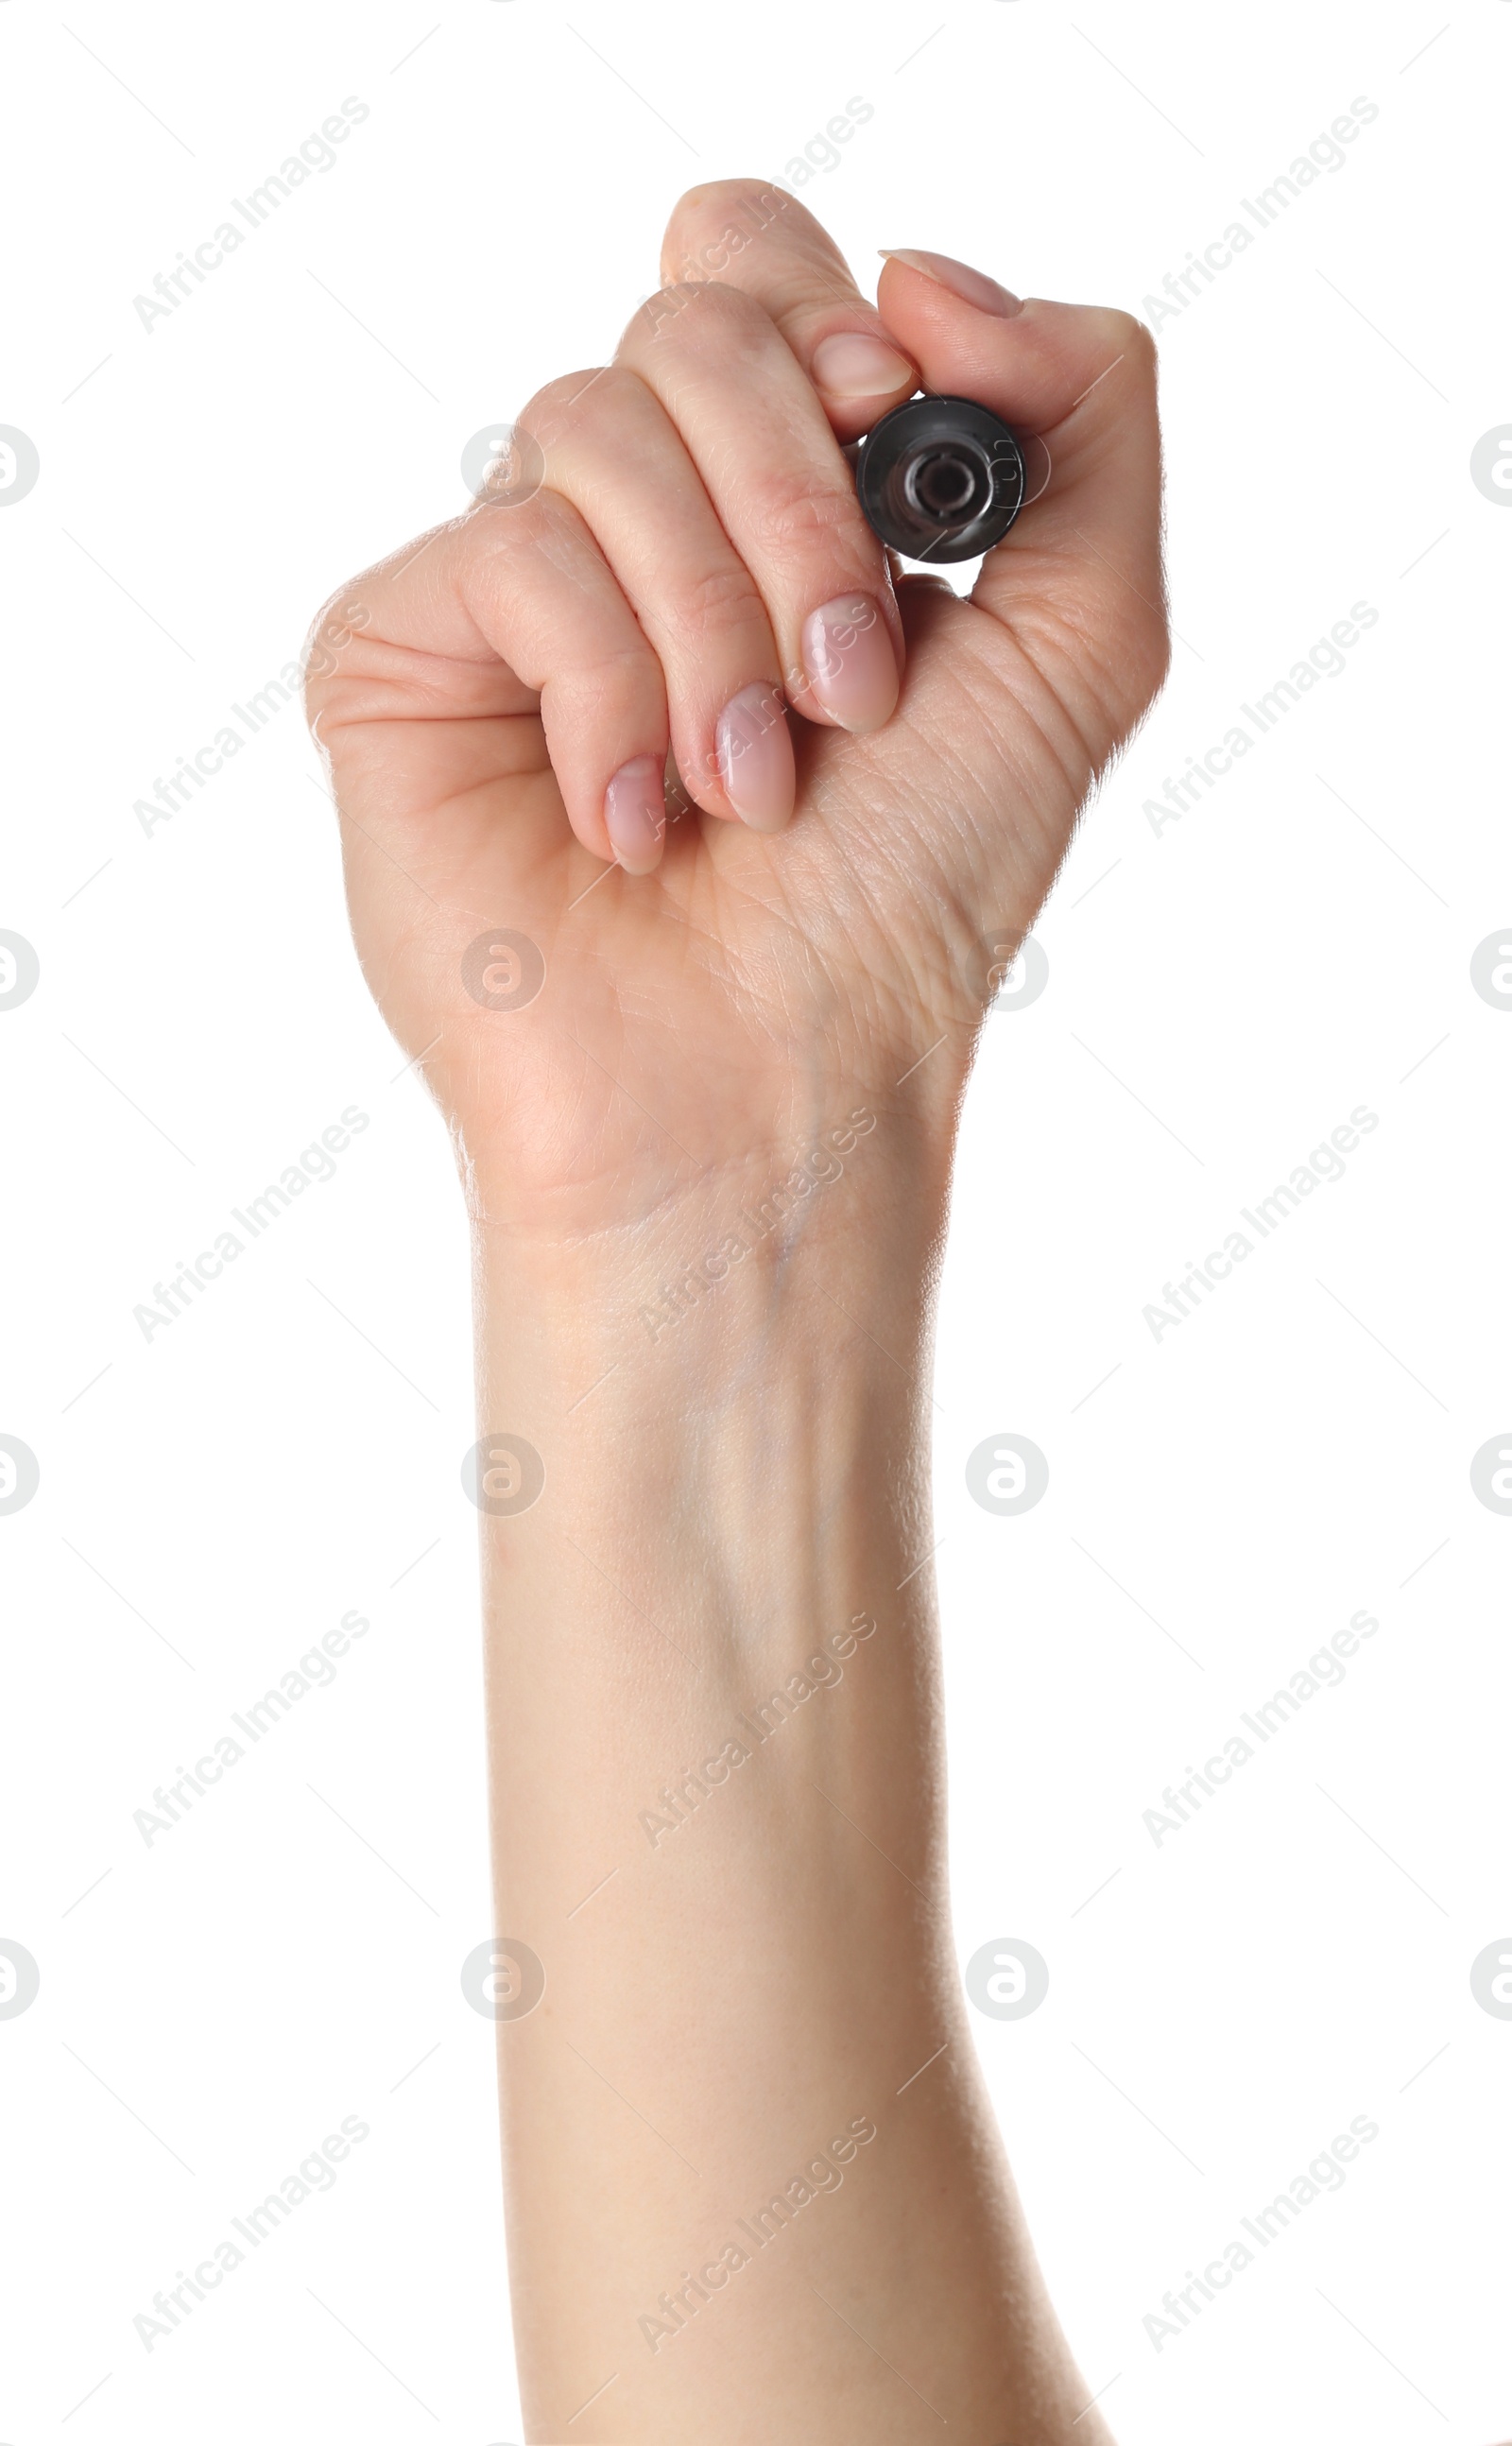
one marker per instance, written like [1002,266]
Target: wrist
[726,1274]
[726,1403]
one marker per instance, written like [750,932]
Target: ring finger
[611,449]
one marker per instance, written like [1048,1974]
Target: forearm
[719,1820]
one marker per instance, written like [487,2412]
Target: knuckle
[723,599]
[1142,345]
[715,196]
[610,685]
[712,223]
[728,318]
[614,669]
[656,314]
[696,315]
[555,406]
[1128,337]
[797,517]
[337,624]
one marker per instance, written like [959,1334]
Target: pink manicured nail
[635,814]
[849,657]
[988,295]
[755,750]
[852,365]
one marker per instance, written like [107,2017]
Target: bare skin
[708,1167]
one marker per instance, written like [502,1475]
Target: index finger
[757,238]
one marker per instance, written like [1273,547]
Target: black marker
[940,478]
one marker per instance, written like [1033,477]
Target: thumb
[1085,553]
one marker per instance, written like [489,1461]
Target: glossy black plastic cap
[941,478]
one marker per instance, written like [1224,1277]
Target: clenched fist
[877,777]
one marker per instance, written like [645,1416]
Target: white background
[1221,993]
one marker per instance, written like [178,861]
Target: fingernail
[755,750]
[634,813]
[989,297]
[849,657]
[852,365]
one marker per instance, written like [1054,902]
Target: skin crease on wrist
[700,1048]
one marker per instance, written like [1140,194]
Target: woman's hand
[827,910]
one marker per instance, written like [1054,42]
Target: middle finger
[755,429]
